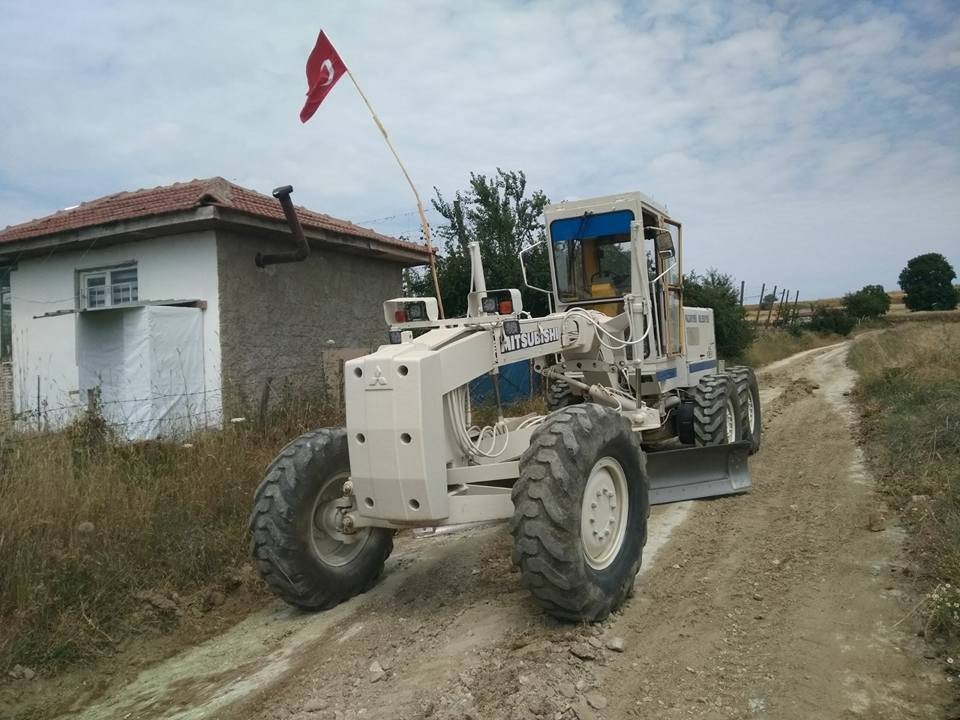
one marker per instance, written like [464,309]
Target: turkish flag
[324,68]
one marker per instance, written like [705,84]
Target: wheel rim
[603,515]
[751,414]
[731,422]
[331,545]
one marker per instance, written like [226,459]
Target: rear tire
[749,396]
[580,513]
[716,412]
[299,552]
[559,395]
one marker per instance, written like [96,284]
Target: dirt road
[780,604]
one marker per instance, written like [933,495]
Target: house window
[106,288]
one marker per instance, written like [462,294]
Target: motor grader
[639,411]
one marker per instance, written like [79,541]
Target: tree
[717,290]
[827,319]
[871,301]
[502,216]
[767,302]
[927,281]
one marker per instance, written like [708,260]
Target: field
[120,556]
[100,540]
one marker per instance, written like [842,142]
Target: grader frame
[643,415]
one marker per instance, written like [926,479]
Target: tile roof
[216,192]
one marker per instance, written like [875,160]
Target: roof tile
[165,199]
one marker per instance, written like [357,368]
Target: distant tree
[503,216]
[717,290]
[871,301]
[767,302]
[827,319]
[927,282]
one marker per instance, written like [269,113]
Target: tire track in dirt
[774,604]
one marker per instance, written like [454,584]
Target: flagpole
[423,217]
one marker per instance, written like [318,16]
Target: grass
[91,527]
[909,393]
[776,343]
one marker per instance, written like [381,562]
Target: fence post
[783,296]
[264,403]
[770,314]
[763,289]
[95,420]
[743,284]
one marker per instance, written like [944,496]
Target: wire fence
[774,305]
[252,402]
[175,414]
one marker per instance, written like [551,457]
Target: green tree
[827,319]
[718,291]
[767,302]
[871,301]
[503,216]
[927,281]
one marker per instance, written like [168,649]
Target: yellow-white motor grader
[639,412]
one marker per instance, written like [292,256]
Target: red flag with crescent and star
[324,68]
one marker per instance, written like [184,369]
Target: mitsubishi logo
[378,379]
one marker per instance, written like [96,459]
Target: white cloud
[817,151]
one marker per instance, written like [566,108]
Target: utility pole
[760,304]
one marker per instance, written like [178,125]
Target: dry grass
[88,524]
[909,392]
[776,344]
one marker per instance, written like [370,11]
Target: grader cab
[638,412]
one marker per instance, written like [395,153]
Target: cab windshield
[591,254]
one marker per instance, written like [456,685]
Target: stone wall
[6,392]
[294,324]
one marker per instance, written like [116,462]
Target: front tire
[580,513]
[716,410]
[300,553]
[749,396]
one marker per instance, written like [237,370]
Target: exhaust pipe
[303,250]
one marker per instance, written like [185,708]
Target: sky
[813,145]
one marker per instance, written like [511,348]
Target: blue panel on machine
[703,365]
[587,226]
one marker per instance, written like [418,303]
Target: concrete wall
[174,267]
[296,323]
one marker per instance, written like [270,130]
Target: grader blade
[698,472]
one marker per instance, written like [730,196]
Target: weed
[776,344]
[909,392]
[89,526]
[943,611]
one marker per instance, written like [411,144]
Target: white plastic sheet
[148,364]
